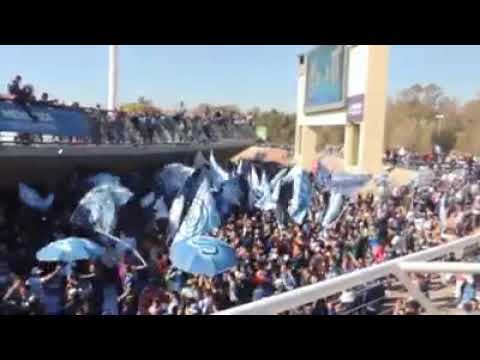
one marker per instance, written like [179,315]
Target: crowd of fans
[273,259]
[146,128]
[139,128]
[402,157]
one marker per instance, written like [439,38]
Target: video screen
[325,85]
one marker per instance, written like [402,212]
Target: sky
[246,75]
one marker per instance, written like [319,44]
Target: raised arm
[11,290]
[50,276]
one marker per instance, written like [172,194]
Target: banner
[42,119]
[355,108]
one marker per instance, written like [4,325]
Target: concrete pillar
[372,129]
[308,144]
[349,146]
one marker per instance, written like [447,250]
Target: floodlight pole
[112,78]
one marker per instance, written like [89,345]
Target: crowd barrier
[309,294]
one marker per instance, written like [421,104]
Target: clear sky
[244,75]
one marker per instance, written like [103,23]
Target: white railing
[309,294]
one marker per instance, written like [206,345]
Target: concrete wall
[46,167]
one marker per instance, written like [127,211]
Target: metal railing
[309,294]
[126,138]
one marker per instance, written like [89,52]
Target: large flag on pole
[202,217]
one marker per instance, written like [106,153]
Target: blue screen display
[325,76]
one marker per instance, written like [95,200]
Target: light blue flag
[278,177]
[266,202]
[276,191]
[175,215]
[160,209]
[254,180]
[240,167]
[217,168]
[302,194]
[147,200]
[173,177]
[104,179]
[202,217]
[97,210]
[345,183]
[323,176]
[255,191]
[334,208]
[348,184]
[32,198]
[199,160]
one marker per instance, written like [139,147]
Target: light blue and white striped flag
[302,194]
[278,177]
[221,174]
[255,191]
[173,177]
[175,215]
[202,217]
[334,208]
[266,202]
[240,167]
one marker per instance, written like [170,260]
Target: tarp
[43,119]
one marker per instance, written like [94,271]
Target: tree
[144,101]
[446,138]
[280,126]
[431,95]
